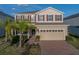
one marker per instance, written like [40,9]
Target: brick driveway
[60,47]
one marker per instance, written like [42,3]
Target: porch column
[45,18]
[37,31]
[11,31]
[53,18]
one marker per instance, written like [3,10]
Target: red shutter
[52,17]
[43,17]
[35,18]
[21,17]
[55,18]
[30,17]
[47,18]
[38,17]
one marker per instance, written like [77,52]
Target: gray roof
[73,20]
[27,12]
[72,16]
[5,14]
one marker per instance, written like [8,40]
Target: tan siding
[50,11]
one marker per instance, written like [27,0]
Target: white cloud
[13,8]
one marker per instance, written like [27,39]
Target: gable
[49,10]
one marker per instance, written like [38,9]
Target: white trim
[57,21]
[49,8]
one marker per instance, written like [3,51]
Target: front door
[33,32]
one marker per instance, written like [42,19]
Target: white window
[58,17]
[18,17]
[49,17]
[32,17]
[40,17]
[26,17]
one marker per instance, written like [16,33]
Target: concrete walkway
[60,47]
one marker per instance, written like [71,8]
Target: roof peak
[50,8]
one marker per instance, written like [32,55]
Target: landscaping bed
[73,40]
[7,49]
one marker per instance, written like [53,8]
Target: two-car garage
[52,32]
[52,35]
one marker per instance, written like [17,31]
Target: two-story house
[49,23]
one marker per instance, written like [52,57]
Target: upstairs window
[58,17]
[32,17]
[40,17]
[26,17]
[18,17]
[49,17]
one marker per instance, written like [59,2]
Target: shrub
[37,38]
[73,40]
[34,49]
[73,35]
[15,40]
[2,36]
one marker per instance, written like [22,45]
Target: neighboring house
[73,21]
[3,17]
[49,23]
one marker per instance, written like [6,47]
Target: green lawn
[73,40]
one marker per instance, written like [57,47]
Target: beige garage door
[52,35]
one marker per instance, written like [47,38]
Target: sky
[11,9]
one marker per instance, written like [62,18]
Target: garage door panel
[52,35]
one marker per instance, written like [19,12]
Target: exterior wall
[49,12]
[45,12]
[52,27]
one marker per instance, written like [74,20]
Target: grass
[73,40]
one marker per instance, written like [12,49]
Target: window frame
[33,18]
[58,17]
[43,16]
[48,18]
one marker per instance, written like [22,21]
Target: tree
[21,26]
[7,29]
[32,27]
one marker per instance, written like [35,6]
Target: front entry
[33,31]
